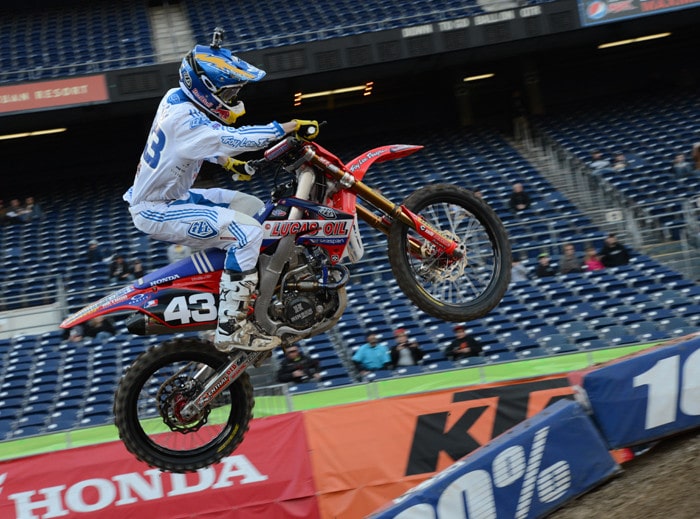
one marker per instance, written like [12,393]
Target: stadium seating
[74,39]
[670,123]
[86,38]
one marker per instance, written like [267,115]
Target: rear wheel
[465,286]
[155,389]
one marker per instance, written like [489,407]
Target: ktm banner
[342,462]
[268,476]
[366,454]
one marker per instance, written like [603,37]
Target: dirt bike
[184,405]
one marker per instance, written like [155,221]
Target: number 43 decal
[179,308]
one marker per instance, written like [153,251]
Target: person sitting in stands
[371,356]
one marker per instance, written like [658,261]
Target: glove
[306,130]
[239,169]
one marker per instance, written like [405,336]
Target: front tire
[153,390]
[452,289]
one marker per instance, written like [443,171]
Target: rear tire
[153,390]
[452,290]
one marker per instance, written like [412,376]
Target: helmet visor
[228,94]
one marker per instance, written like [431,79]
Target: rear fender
[153,294]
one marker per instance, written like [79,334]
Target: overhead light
[477,78]
[634,40]
[366,88]
[31,134]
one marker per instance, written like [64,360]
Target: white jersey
[181,138]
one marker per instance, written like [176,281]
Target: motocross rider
[193,124]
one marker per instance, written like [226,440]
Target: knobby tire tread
[126,419]
[401,268]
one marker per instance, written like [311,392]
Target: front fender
[360,164]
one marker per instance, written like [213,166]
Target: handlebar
[283,147]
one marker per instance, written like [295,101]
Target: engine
[309,291]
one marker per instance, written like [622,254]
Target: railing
[674,243]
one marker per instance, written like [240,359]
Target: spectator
[119,270]
[94,253]
[463,345]
[137,269]
[100,327]
[518,271]
[598,162]
[371,356]
[297,367]
[569,262]
[32,211]
[591,260]
[620,162]
[544,269]
[405,352]
[613,253]
[696,155]
[519,199]
[75,335]
[3,213]
[681,168]
[16,212]
[176,252]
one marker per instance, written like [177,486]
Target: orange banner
[365,454]
[52,94]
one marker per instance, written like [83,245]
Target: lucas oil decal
[318,229]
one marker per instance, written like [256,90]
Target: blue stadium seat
[303,387]
[338,381]
[532,353]
[470,361]
[503,356]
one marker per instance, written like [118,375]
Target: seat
[573,326]
[338,371]
[302,387]
[532,353]
[408,370]
[504,356]
[379,374]
[496,347]
[553,340]
[647,331]
[334,382]
[440,365]
[470,361]
[594,344]
[580,336]
[562,348]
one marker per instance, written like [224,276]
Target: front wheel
[154,390]
[462,287]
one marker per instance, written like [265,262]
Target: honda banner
[268,476]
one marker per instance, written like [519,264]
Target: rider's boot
[234,330]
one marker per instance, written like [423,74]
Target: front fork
[238,362]
[442,244]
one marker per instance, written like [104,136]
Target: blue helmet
[211,77]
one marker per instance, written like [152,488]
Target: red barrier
[268,476]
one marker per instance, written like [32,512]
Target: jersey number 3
[154,147]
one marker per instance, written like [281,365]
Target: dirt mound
[664,483]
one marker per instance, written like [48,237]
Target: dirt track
[664,483]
